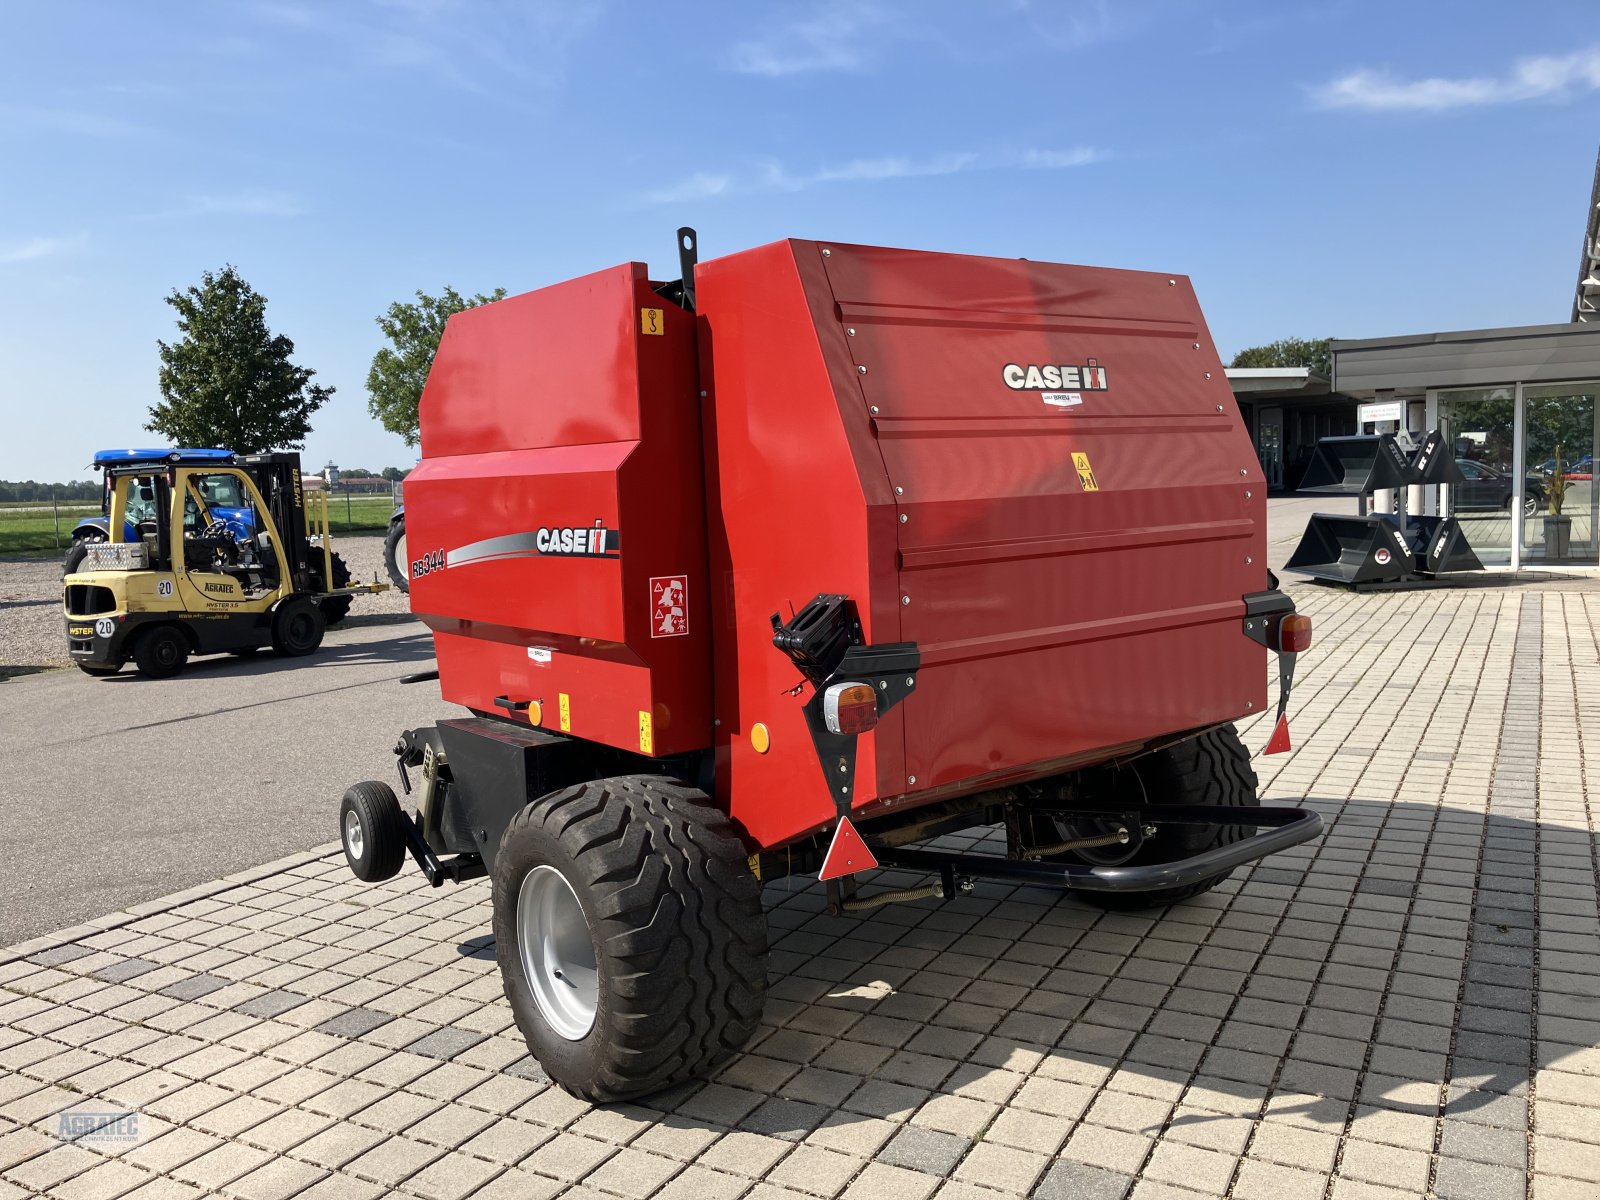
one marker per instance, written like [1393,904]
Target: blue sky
[1344,168]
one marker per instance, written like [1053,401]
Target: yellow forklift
[206,552]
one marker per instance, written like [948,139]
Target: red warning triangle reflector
[847,853]
[1278,743]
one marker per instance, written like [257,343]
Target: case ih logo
[1020,377]
[569,541]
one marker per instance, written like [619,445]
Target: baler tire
[336,608]
[394,555]
[674,916]
[376,847]
[161,651]
[1213,768]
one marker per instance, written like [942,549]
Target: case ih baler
[798,563]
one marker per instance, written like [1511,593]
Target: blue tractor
[228,509]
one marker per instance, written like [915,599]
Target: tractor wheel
[76,553]
[372,828]
[335,608]
[161,651]
[394,555]
[1213,768]
[297,627]
[630,935]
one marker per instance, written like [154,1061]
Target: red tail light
[850,708]
[1294,633]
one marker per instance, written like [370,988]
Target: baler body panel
[1035,473]
[558,512]
[1061,614]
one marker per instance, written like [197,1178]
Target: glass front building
[1518,408]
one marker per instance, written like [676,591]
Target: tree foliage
[400,369]
[1288,352]
[22,491]
[228,381]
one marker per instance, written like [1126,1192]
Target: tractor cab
[204,552]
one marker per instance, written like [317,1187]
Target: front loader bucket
[1357,465]
[1350,549]
[1439,545]
[1433,463]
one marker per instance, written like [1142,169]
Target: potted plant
[1557,528]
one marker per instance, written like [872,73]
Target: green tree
[399,370]
[1288,352]
[393,474]
[228,381]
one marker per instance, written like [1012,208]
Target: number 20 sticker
[164,587]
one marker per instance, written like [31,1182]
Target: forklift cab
[207,529]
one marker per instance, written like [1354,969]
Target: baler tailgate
[1074,496]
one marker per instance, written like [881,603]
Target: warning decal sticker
[669,605]
[1086,479]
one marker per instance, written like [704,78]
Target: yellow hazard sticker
[565,702]
[1086,478]
[755,866]
[647,737]
[651,321]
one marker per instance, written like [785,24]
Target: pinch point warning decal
[669,605]
[1086,476]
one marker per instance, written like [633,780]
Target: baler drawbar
[794,566]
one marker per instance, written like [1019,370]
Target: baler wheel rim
[557,950]
[354,840]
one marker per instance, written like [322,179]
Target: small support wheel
[161,652]
[372,831]
[297,627]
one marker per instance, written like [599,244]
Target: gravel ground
[32,639]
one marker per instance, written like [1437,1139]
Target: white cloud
[699,186]
[1549,77]
[1056,160]
[773,176]
[234,204]
[834,39]
[868,170]
[29,249]
[465,44]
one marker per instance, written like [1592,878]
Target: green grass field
[36,532]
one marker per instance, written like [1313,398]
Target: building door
[1561,505]
[1479,426]
[1269,445]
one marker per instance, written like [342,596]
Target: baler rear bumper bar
[1284,827]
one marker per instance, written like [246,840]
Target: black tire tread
[680,923]
[143,651]
[398,571]
[336,608]
[1214,769]
[379,810]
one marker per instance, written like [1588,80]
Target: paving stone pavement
[1405,1007]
